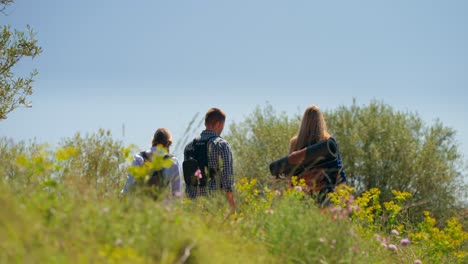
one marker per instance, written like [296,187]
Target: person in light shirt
[170,176]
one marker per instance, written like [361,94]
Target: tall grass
[54,210]
[61,227]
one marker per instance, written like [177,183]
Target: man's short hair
[214,115]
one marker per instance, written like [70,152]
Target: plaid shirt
[219,159]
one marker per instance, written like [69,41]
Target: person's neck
[211,130]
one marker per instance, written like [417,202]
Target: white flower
[299,188]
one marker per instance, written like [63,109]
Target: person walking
[159,180]
[213,157]
[312,130]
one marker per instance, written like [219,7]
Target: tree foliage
[14,46]
[260,139]
[4,3]
[393,150]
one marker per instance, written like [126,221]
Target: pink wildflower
[356,249]
[387,240]
[198,174]
[405,242]
[347,212]
[378,238]
[337,212]
[392,247]
[418,261]
[335,209]
[395,232]
[323,240]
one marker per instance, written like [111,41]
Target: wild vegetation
[63,204]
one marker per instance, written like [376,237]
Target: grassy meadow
[63,205]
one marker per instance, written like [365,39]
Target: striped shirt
[219,159]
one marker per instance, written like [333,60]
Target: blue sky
[150,64]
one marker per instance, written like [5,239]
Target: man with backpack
[208,164]
[155,170]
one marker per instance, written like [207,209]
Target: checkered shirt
[219,159]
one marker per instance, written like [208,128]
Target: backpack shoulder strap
[144,155]
[197,139]
[201,145]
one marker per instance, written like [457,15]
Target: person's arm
[292,144]
[343,178]
[175,179]
[227,172]
[137,161]
[342,174]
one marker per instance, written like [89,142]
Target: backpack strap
[144,155]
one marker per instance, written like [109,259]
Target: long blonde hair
[312,130]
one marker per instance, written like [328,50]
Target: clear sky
[150,64]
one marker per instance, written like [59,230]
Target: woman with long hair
[313,129]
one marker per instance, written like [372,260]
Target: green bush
[24,166]
[392,150]
[260,139]
[95,159]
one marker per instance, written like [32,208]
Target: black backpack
[197,159]
[156,180]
